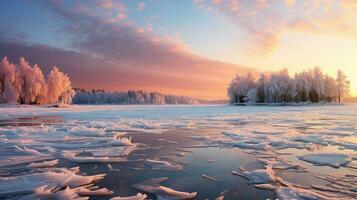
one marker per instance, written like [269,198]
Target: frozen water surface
[122,152]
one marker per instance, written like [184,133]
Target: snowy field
[178,152]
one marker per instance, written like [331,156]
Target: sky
[181,47]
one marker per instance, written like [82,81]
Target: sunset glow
[186,47]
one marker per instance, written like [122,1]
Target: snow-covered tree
[252,96]
[319,83]
[280,86]
[26,85]
[8,92]
[330,88]
[59,87]
[262,89]
[32,83]
[301,87]
[239,87]
[343,85]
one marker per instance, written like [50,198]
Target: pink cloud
[122,56]
[141,6]
[106,4]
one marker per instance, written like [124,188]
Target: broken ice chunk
[89,159]
[258,176]
[27,184]
[139,196]
[92,192]
[153,186]
[43,164]
[285,193]
[45,193]
[335,160]
[163,165]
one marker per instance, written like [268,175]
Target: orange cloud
[265,21]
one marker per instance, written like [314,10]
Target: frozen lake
[200,152]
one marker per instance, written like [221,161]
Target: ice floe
[94,191]
[163,165]
[208,177]
[280,164]
[43,164]
[153,186]
[72,156]
[45,193]
[139,196]
[258,176]
[329,159]
[27,184]
[20,160]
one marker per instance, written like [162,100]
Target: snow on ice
[279,138]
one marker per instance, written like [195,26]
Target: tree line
[307,86]
[26,84]
[98,96]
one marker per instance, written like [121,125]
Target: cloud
[141,6]
[107,4]
[120,57]
[265,21]
[206,79]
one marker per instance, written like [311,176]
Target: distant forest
[307,86]
[97,96]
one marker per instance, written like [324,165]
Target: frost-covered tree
[252,96]
[302,86]
[319,83]
[59,87]
[25,84]
[262,89]
[343,85]
[330,88]
[32,83]
[8,91]
[280,86]
[239,87]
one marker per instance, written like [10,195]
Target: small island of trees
[308,86]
